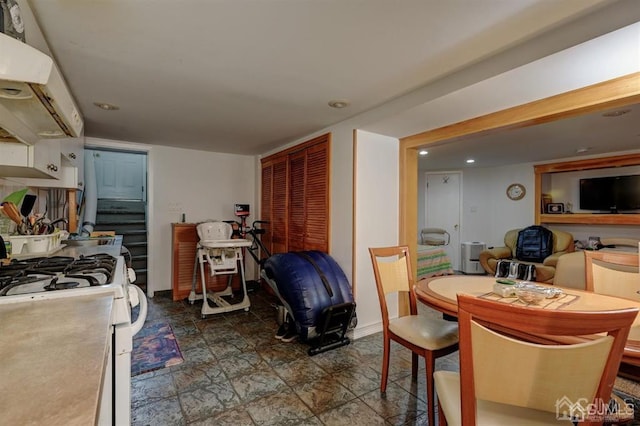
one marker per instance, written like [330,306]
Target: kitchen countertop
[113,249]
[53,356]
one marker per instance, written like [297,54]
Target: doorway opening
[442,209]
[121,183]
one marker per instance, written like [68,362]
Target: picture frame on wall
[555,208]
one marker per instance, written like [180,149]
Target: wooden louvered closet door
[316,199]
[265,203]
[278,222]
[295,197]
[296,212]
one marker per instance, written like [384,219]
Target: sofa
[570,268]
[545,271]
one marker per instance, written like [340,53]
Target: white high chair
[223,255]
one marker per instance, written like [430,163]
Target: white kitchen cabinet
[68,178]
[72,150]
[57,163]
[42,160]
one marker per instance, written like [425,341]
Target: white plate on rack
[22,256]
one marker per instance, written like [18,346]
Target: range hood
[35,102]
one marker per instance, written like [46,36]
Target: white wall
[376,221]
[202,185]
[604,58]
[566,186]
[487,213]
[460,97]
[487,87]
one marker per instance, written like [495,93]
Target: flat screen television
[610,194]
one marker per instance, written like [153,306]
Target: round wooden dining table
[440,293]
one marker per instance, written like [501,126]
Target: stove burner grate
[97,269]
[55,285]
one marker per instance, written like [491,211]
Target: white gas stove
[66,276]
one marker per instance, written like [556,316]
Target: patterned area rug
[154,347]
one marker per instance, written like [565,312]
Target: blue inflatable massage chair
[316,294]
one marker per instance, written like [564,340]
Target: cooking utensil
[24,228]
[28,202]
[12,212]
[15,197]
[52,226]
[42,226]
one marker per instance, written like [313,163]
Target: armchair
[545,271]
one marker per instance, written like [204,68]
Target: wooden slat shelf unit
[184,240]
[587,164]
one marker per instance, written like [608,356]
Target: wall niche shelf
[591,219]
[583,218]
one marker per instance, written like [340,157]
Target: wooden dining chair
[424,336]
[507,381]
[612,273]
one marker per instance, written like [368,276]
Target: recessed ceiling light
[423,152]
[582,149]
[339,103]
[105,106]
[471,161]
[616,113]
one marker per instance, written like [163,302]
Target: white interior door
[120,175]
[443,209]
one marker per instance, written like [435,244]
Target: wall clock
[516,191]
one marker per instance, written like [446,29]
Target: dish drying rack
[224,256]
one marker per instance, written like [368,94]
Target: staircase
[127,218]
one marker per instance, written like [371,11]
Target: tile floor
[236,373]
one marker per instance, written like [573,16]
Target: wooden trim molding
[72,200]
[614,93]
[609,94]
[354,188]
[589,164]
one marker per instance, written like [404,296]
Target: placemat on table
[557,302]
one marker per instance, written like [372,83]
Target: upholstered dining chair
[506,381]
[612,273]
[424,336]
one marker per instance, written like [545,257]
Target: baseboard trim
[367,330]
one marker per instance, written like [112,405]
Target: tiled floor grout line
[310,386]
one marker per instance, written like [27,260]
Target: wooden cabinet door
[184,240]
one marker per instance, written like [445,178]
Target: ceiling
[246,76]
[596,133]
